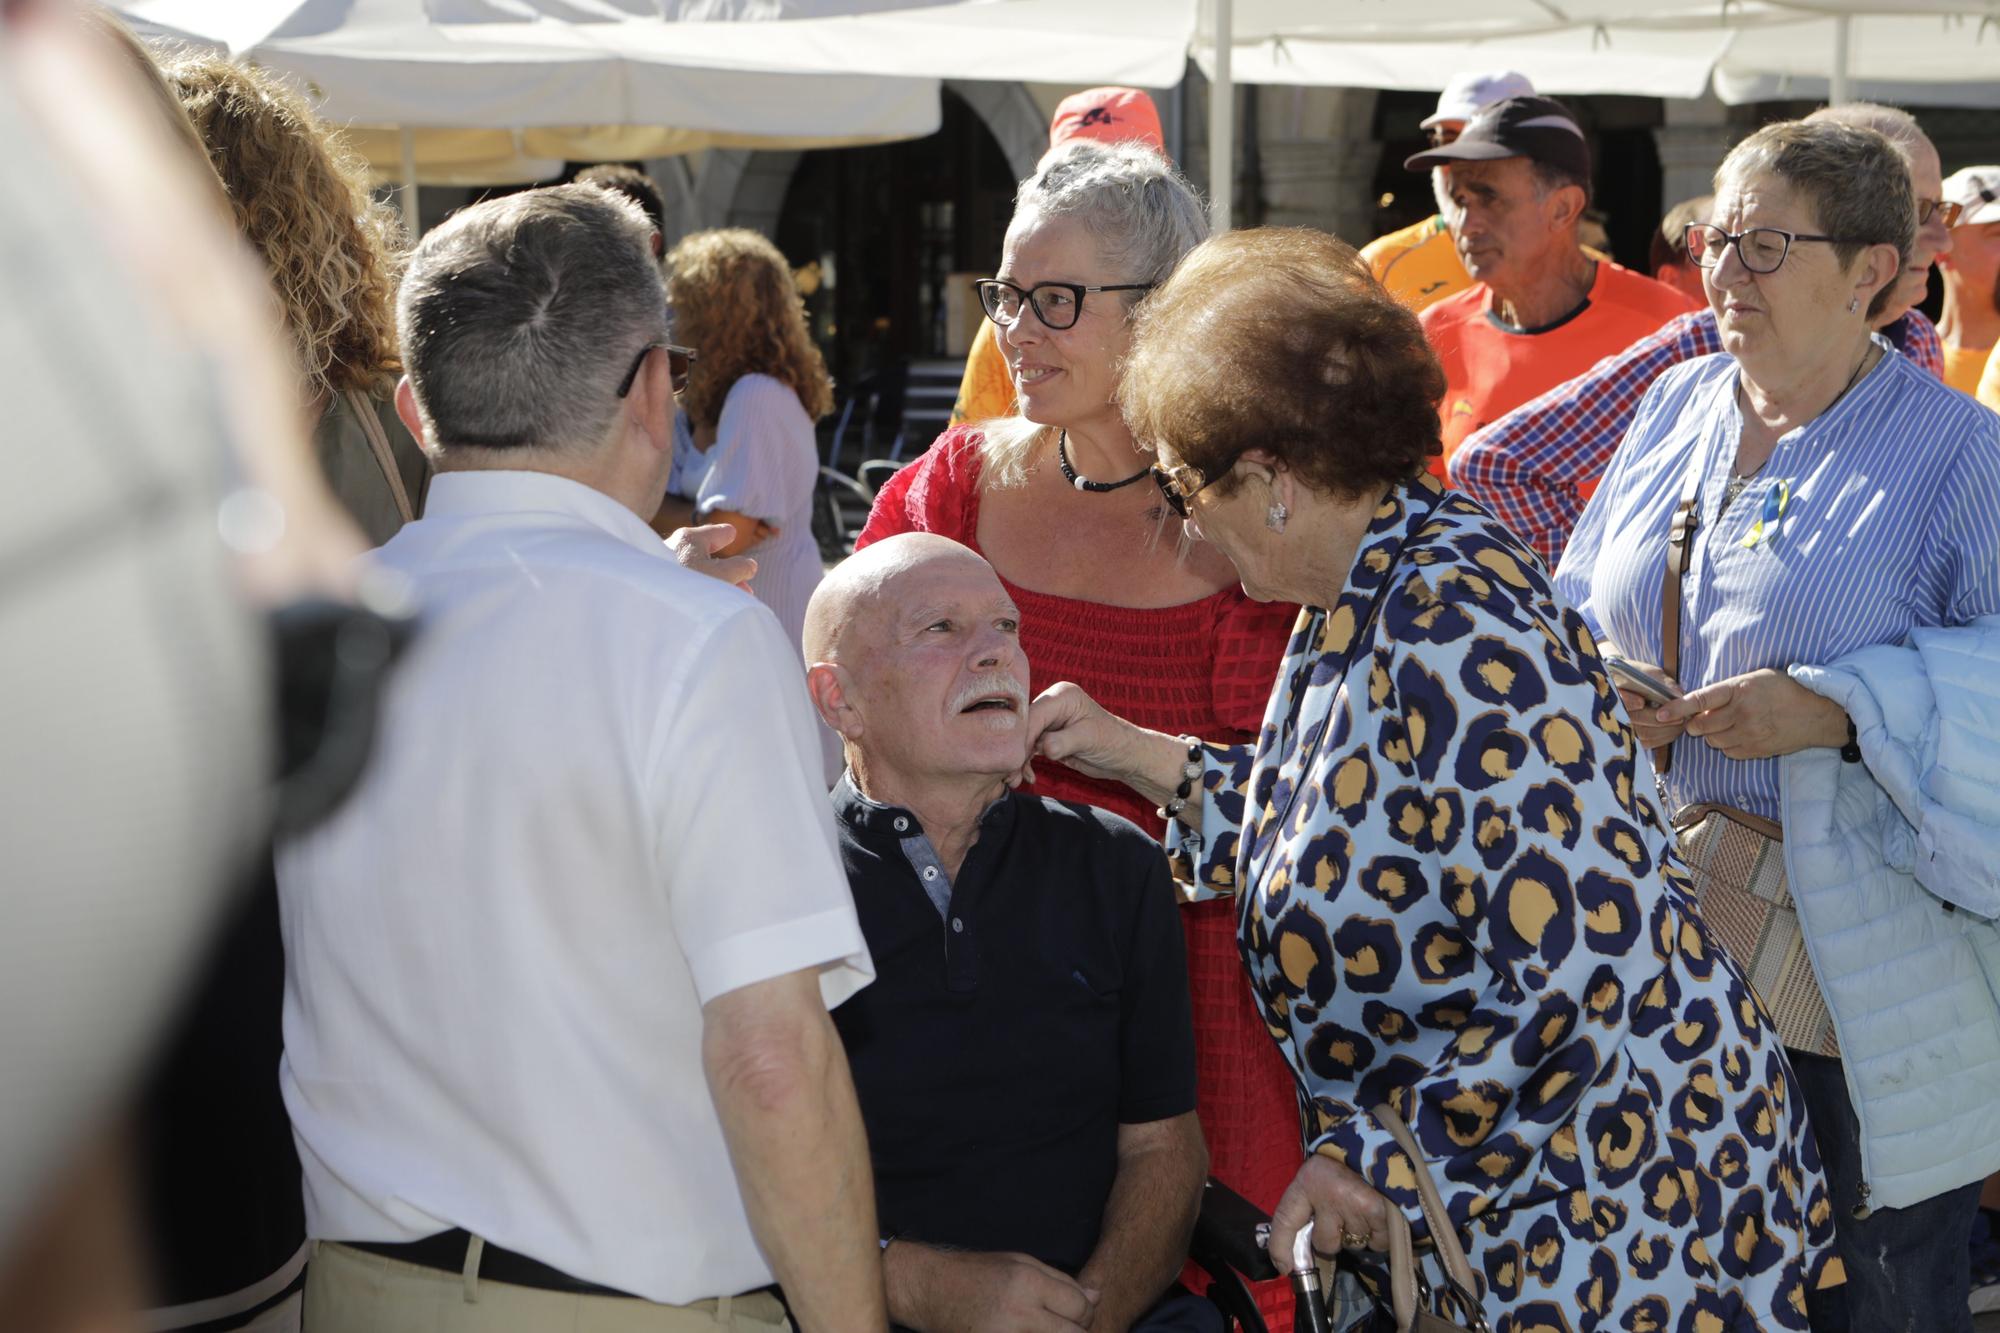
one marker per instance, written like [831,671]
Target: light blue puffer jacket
[1894,864]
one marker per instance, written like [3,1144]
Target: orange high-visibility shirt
[987,390]
[1491,368]
[1989,383]
[1417,265]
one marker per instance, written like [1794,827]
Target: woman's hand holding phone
[1645,688]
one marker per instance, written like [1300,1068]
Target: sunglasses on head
[679,360]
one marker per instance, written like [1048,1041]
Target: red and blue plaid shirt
[1530,466]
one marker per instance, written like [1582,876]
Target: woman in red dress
[1112,597]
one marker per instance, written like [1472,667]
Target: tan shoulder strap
[378,440]
[1403,1279]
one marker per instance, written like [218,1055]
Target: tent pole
[1222,124]
[407,195]
[1843,36]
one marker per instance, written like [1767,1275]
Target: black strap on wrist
[1851,752]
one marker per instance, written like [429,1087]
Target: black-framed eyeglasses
[1181,483]
[1947,212]
[679,360]
[1762,249]
[1056,304]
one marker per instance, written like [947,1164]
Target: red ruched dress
[1204,668]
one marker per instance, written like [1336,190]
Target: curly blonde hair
[735,303]
[334,254]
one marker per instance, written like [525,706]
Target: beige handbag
[1415,1305]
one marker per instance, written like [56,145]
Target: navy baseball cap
[1539,128]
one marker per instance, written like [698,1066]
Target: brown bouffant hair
[333,253]
[1279,339]
[736,304]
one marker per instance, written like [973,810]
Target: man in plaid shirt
[1535,467]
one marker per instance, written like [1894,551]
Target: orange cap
[1110,115]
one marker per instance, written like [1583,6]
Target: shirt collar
[871,817]
[481,492]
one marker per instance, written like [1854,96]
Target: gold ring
[1352,1241]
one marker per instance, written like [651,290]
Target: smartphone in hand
[1629,675]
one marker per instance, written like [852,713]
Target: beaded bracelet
[1190,774]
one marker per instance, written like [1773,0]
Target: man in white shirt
[557,976]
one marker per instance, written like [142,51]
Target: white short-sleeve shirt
[592,809]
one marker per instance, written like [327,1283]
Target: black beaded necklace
[1084,483]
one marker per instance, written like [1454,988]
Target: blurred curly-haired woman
[334,256]
[751,402]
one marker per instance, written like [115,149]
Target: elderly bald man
[1025,1058]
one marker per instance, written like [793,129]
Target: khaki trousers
[353,1291]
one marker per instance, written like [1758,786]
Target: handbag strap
[378,440]
[1680,551]
[1404,1283]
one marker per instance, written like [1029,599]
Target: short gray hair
[1893,123]
[1856,182]
[1145,217]
[519,316]
[1143,213]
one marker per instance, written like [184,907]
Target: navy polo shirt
[1014,1023]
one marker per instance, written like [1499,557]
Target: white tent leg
[407,195]
[1843,36]
[1221,124]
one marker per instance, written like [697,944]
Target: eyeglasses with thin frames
[679,361]
[1948,213]
[1057,304]
[1762,249]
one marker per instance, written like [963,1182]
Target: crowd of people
[1458,740]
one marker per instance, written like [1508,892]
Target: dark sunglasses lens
[678,363]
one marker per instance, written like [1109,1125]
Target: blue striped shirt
[1890,521]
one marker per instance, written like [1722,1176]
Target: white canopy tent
[451,91]
[447,103]
[1907,51]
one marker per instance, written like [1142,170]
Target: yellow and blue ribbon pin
[1765,529]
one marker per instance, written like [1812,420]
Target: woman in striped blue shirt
[1775,510]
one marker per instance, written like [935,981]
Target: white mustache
[983,687]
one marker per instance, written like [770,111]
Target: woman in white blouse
[751,401]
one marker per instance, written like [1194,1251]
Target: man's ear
[653,393]
[1566,207]
[406,408]
[827,684]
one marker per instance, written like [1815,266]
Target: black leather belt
[446,1253]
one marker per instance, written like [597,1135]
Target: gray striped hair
[1145,217]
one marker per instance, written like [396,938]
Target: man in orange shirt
[1418,264]
[1541,310]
